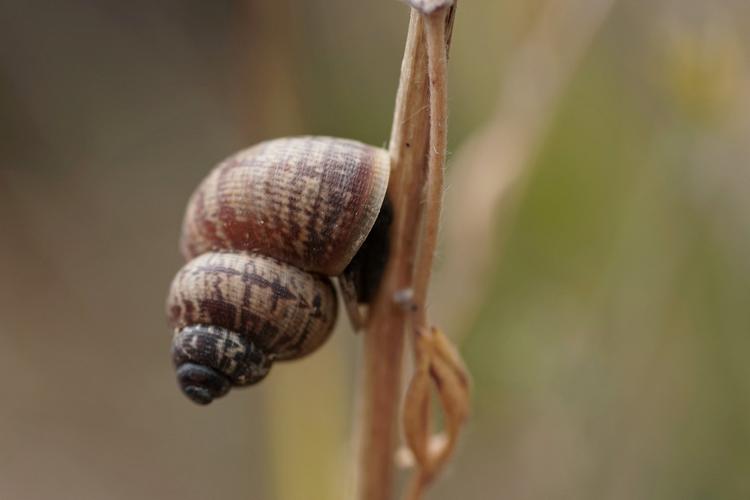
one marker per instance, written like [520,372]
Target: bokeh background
[593,265]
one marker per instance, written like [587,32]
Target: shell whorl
[233,355]
[279,308]
[306,201]
[210,360]
[260,235]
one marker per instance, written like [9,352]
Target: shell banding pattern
[307,201]
[260,233]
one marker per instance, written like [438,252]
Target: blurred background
[593,265]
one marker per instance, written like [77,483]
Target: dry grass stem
[436,361]
[413,159]
[437,55]
[495,162]
[384,340]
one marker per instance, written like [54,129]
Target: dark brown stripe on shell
[307,201]
[281,309]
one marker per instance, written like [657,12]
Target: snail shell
[282,309]
[261,234]
[307,201]
[236,313]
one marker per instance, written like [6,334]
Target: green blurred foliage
[616,325]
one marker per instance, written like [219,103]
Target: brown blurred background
[593,266]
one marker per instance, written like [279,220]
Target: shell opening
[366,269]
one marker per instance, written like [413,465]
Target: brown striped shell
[307,201]
[260,234]
[279,308]
[236,313]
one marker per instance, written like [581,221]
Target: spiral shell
[279,308]
[306,201]
[210,360]
[261,234]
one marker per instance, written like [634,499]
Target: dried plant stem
[437,363]
[384,340]
[437,59]
[495,163]
[419,388]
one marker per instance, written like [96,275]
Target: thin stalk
[411,159]
[437,59]
[384,339]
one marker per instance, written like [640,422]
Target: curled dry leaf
[417,410]
[452,381]
[405,458]
[437,361]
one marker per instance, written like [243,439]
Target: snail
[263,234]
